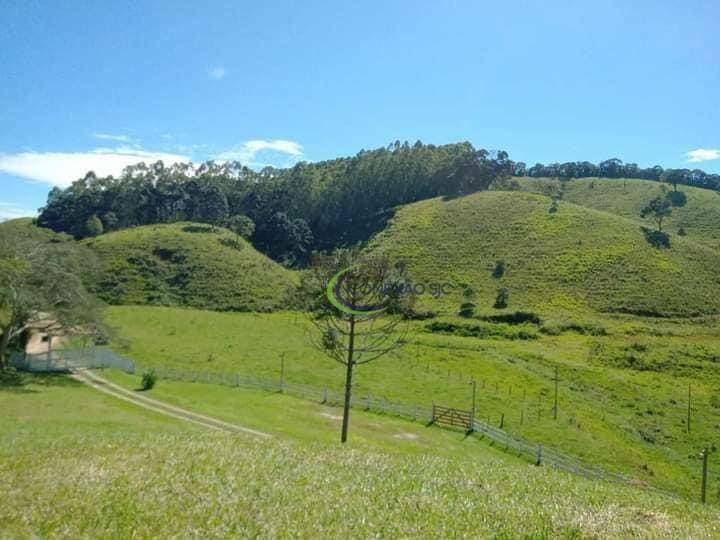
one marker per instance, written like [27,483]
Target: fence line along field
[609,414]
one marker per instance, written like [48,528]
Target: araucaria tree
[358,306]
[658,209]
[40,283]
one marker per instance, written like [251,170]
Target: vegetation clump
[148,380]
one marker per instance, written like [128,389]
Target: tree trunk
[348,381]
[4,340]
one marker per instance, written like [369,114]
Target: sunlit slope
[699,217]
[25,228]
[75,463]
[575,258]
[188,265]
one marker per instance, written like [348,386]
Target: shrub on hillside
[501,300]
[93,226]
[499,270]
[148,380]
[467,310]
[413,315]
[486,330]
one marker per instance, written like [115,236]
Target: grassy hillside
[25,227]
[699,217]
[573,259]
[191,265]
[622,391]
[134,477]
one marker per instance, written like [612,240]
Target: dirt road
[103,385]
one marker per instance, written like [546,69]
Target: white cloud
[111,137]
[278,152]
[62,168]
[217,73]
[13,211]
[702,154]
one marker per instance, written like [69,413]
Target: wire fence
[64,360]
[538,453]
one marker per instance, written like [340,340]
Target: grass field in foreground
[622,396]
[106,470]
[307,421]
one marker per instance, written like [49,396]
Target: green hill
[699,217]
[77,463]
[188,264]
[25,227]
[574,259]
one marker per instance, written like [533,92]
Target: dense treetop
[615,168]
[311,206]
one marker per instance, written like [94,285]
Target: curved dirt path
[107,387]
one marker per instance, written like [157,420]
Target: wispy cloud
[12,211]
[217,73]
[702,154]
[260,153]
[113,137]
[62,168]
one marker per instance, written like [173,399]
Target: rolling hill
[576,259]
[77,463]
[699,217]
[188,264]
[26,228]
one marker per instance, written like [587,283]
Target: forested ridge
[288,213]
[615,168]
[311,206]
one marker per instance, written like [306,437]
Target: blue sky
[102,84]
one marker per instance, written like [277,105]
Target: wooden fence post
[555,405]
[502,420]
[703,487]
[538,461]
[689,407]
[282,372]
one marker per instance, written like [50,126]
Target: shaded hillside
[26,228]
[699,217]
[575,258]
[188,264]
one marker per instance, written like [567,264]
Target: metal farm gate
[448,416]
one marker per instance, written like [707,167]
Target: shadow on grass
[657,239]
[18,382]
[231,243]
[198,229]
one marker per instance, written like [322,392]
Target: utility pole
[282,371]
[703,488]
[689,405]
[472,409]
[555,407]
